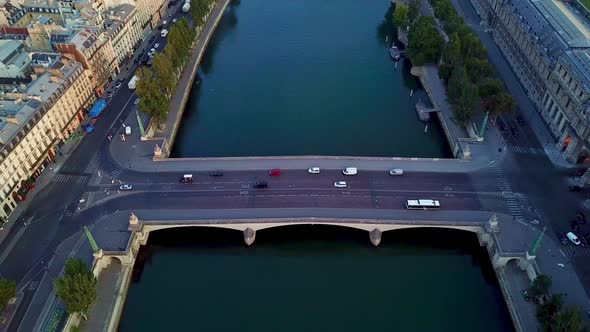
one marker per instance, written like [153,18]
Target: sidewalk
[43,180]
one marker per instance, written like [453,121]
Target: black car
[520,120]
[260,185]
[160,27]
[152,39]
[574,188]
[502,125]
[581,217]
[216,173]
[513,131]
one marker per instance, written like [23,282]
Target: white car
[164,33]
[156,45]
[174,20]
[314,170]
[572,237]
[396,171]
[164,22]
[152,51]
[126,187]
[349,171]
[340,184]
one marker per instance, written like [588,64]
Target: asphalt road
[52,215]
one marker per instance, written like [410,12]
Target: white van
[396,171]
[349,171]
[128,130]
[572,237]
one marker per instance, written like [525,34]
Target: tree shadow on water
[386,29]
[228,22]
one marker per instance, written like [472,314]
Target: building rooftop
[9,49]
[579,62]
[554,25]
[20,104]
[83,39]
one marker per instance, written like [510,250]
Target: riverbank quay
[120,237]
[187,78]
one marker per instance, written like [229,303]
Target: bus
[422,204]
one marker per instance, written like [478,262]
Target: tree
[443,9]
[568,320]
[151,99]
[501,102]
[478,69]
[400,16]
[452,51]
[76,287]
[547,311]
[541,285]
[424,41]
[462,95]
[490,87]
[471,46]
[164,73]
[413,10]
[7,292]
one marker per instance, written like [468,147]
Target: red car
[274,172]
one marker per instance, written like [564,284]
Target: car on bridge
[187,178]
[313,170]
[274,172]
[126,187]
[396,171]
[340,184]
[261,185]
[216,173]
[349,171]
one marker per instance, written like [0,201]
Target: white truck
[186,7]
[133,82]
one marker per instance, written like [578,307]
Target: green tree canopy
[76,287]
[568,319]
[452,51]
[462,95]
[501,102]
[547,311]
[490,86]
[152,100]
[400,16]
[478,69]
[541,285]
[7,292]
[443,9]
[471,46]
[413,10]
[425,43]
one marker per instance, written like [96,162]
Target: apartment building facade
[34,121]
[124,30]
[546,43]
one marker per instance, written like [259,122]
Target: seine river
[305,77]
[314,278]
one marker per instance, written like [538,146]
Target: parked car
[573,238]
[156,45]
[574,188]
[110,94]
[525,295]
[260,185]
[520,120]
[274,172]
[340,184]
[117,85]
[396,171]
[313,170]
[581,217]
[126,187]
[164,22]
[349,171]
[513,131]
[174,20]
[216,173]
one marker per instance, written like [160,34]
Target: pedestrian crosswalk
[514,202]
[92,165]
[116,173]
[69,178]
[570,251]
[526,149]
